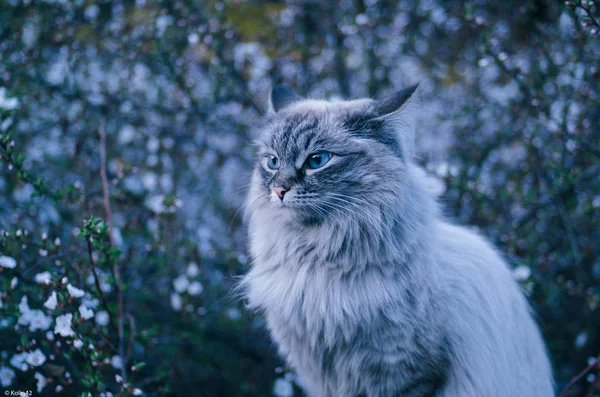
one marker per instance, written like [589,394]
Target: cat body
[364,287]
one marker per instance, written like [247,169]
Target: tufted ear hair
[400,110]
[281,97]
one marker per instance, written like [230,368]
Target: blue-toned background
[158,99]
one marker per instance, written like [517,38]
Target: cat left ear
[396,102]
[400,111]
[281,97]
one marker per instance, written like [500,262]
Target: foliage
[124,157]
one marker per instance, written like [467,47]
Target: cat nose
[280,191]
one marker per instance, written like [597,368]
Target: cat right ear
[281,97]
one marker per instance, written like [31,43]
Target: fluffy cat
[365,288]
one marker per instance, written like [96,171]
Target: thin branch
[105,187]
[582,374]
[97,283]
[116,269]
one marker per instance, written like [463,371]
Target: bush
[124,150]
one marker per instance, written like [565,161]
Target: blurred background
[124,161]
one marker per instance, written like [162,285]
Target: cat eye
[318,160]
[272,162]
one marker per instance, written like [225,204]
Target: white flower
[38,320]
[14,282]
[119,379]
[233,313]
[102,318]
[283,388]
[137,392]
[195,288]
[63,325]
[7,376]
[51,302]
[35,358]
[176,301]
[7,103]
[43,278]
[41,381]
[75,292]
[156,203]
[86,313]
[19,361]
[7,261]
[581,339]
[522,272]
[192,270]
[23,306]
[162,22]
[78,344]
[50,335]
[35,319]
[117,362]
[180,284]
[90,302]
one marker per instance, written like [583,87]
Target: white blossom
[192,270]
[51,302]
[39,321]
[14,282]
[7,376]
[42,381]
[35,319]
[78,344]
[180,284]
[195,288]
[7,261]
[43,278]
[283,388]
[63,325]
[75,292]
[35,358]
[19,361]
[233,313]
[522,272]
[117,362]
[137,392]
[581,339]
[176,301]
[7,103]
[102,318]
[86,313]
[90,302]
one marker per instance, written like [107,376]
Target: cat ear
[400,110]
[396,102]
[281,97]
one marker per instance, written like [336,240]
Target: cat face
[317,159]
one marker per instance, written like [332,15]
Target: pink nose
[280,192]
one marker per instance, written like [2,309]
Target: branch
[589,173]
[116,270]
[97,283]
[582,374]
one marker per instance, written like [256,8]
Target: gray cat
[365,288]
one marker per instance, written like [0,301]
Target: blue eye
[318,160]
[272,162]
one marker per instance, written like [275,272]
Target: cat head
[316,158]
